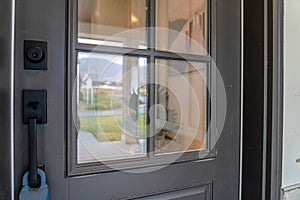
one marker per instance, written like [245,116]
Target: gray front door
[143,97]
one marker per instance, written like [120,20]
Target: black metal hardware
[34,112]
[34,180]
[35,106]
[35,55]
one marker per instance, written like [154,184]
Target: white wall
[291,123]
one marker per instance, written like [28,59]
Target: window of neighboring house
[139,93]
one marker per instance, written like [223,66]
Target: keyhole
[34,105]
[34,55]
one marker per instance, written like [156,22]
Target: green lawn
[102,101]
[108,127]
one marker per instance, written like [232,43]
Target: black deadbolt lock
[35,55]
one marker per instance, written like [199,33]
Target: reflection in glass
[182,26]
[105,22]
[181,100]
[111,107]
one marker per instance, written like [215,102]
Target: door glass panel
[181,26]
[181,106]
[107,22]
[111,107]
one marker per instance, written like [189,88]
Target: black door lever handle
[34,179]
[34,112]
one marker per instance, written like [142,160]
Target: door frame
[277,99]
[253,99]
[263,66]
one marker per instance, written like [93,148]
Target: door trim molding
[277,109]
[262,141]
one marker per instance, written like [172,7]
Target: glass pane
[111,107]
[181,26]
[181,106]
[108,22]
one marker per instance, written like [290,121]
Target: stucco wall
[291,123]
